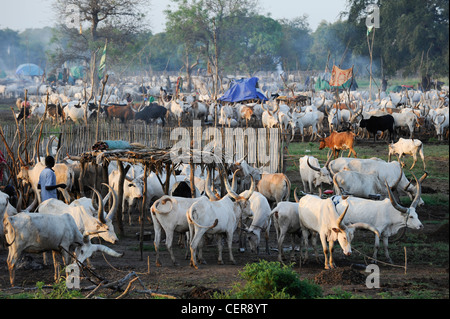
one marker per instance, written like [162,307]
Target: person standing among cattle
[47,180]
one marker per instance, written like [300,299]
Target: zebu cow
[64,175]
[82,210]
[408,147]
[386,216]
[122,112]
[275,187]
[169,215]
[305,120]
[312,174]
[379,123]
[217,217]
[152,112]
[260,221]
[37,233]
[339,141]
[364,185]
[320,216]
[286,221]
[132,191]
[384,170]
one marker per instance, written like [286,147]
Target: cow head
[241,199]
[323,174]
[411,219]
[103,225]
[344,233]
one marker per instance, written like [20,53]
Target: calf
[338,141]
[320,216]
[408,147]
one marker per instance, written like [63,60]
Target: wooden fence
[262,147]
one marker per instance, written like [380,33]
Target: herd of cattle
[355,110]
[366,190]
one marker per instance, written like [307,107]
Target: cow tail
[192,221]
[288,185]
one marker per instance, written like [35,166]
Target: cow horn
[419,189]
[233,182]
[49,142]
[252,188]
[101,218]
[295,195]
[398,180]
[208,190]
[230,191]
[312,167]
[394,203]
[115,205]
[341,218]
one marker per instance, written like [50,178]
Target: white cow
[37,233]
[386,216]
[132,191]
[320,216]
[388,171]
[217,217]
[169,215]
[312,174]
[64,175]
[260,222]
[87,218]
[408,147]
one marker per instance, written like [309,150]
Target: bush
[271,280]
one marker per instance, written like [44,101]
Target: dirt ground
[185,282]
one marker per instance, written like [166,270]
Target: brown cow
[275,187]
[339,141]
[122,112]
[247,114]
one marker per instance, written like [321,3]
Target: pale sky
[22,14]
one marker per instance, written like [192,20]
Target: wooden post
[144,198]
[122,173]
[80,179]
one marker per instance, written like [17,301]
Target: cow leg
[386,252]
[305,235]
[157,240]
[375,249]
[198,234]
[56,266]
[422,157]
[169,241]
[280,244]
[11,261]
[330,260]
[220,249]
[414,161]
[230,246]
[323,240]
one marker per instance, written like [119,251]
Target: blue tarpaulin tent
[29,69]
[242,90]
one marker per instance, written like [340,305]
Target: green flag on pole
[101,67]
